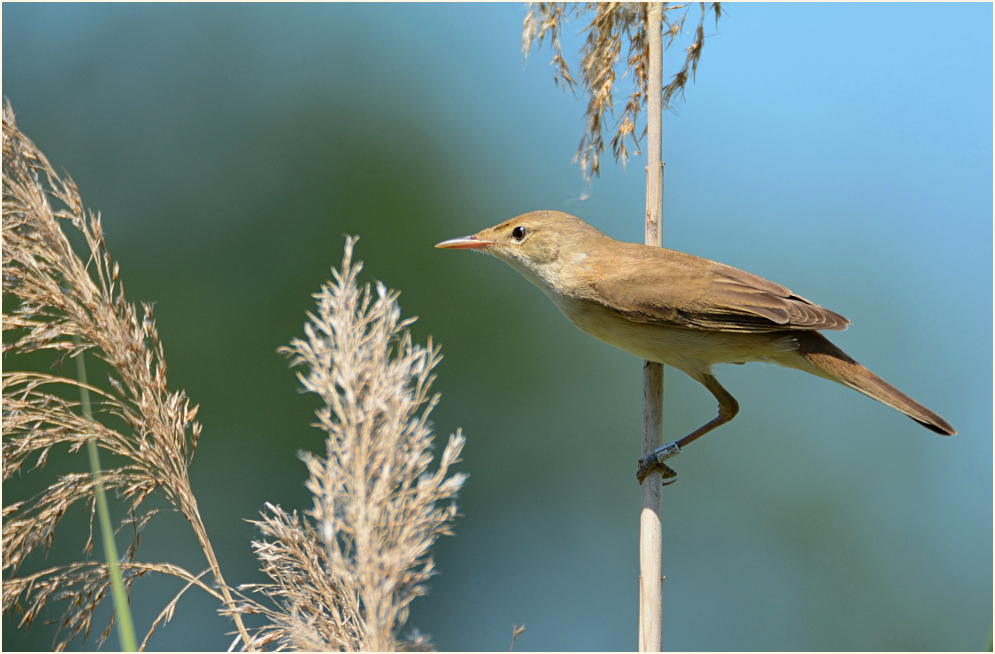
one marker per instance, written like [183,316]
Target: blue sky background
[843,150]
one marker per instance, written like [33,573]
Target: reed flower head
[71,306]
[599,58]
[345,581]
[343,576]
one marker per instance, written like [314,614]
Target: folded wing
[669,287]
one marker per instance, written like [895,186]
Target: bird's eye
[518,233]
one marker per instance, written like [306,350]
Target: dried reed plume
[346,582]
[599,57]
[71,307]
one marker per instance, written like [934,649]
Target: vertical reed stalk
[650,521]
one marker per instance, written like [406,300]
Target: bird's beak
[465,243]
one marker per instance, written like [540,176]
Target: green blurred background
[842,150]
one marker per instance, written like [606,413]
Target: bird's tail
[831,362]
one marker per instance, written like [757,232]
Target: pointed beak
[465,243]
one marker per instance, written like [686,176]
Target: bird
[680,310]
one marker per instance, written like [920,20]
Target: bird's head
[534,243]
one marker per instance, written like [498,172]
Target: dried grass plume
[599,58]
[71,306]
[343,576]
[345,582]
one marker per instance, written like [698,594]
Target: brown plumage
[664,286]
[822,354]
[679,309]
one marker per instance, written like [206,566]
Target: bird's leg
[728,408]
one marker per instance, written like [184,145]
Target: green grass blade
[125,628]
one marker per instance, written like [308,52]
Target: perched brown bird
[680,310]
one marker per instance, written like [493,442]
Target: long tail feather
[819,352]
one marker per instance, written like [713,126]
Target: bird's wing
[669,287]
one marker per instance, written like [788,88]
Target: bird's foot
[655,462]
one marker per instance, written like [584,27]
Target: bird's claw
[655,462]
[668,473]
